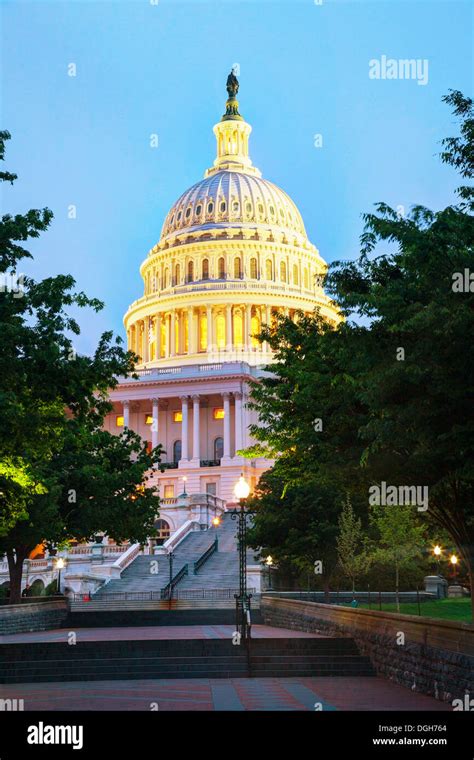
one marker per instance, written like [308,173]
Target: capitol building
[233,252]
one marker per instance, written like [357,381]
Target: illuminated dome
[234,199]
[232,254]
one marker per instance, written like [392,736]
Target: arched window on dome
[190,271]
[253,269]
[221,268]
[306,278]
[205,269]
[238,328]
[177,274]
[220,331]
[176,451]
[167,278]
[269,269]
[255,330]
[218,448]
[295,274]
[283,271]
[238,268]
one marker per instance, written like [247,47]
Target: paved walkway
[163,632]
[297,694]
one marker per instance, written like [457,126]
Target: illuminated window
[249,208]
[272,210]
[283,271]
[269,269]
[253,269]
[295,274]
[177,416]
[219,413]
[162,527]
[168,492]
[306,278]
[203,332]
[238,329]
[260,208]
[221,268]
[205,269]
[186,334]
[255,329]
[177,274]
[237,268]
[148,419]
[167,278]
[220,331]
[119,421]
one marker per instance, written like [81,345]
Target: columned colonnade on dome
[191,330]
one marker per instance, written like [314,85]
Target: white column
[191,335]
[248,325]
[228,326]
[146,339]
[158,335]
[172,333]
[209,327]
[154,424]
[184,429]
[226,398]
[238,422]
[196,430]
[126,414]
[268,320]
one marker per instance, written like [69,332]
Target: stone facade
[35,616]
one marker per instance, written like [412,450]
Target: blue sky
[145,68]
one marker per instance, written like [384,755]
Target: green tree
[392,386]
[52,405]
[399,539]
[350,544]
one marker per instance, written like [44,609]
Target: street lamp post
[170,590]
[437,552]
[242,605]
[454,563]
[60,564]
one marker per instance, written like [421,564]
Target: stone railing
[428,655]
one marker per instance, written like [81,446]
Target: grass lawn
[447,609]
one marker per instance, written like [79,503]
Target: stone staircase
[191,658]
[212,585]
[151,572]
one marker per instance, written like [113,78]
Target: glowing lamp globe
[242,488]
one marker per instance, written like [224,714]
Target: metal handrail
[167,591]
[205,555]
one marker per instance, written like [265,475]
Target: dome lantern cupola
[232,136]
